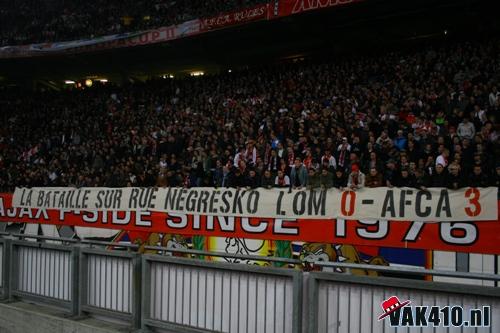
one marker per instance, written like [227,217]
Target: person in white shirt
[443,158]
[281,150]
[328,157]
[251,153]
[240,156]
[494,97]
[466,129]
[282,180]
[344,145]
[356,178]
[343,151]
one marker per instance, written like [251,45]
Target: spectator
[494,98]
[373,162]
[390,173]
[374,179]
[438,177]
[282,180]
[267,180]
[405,179]
[443,158]
[298,175]
[326,179]
[239,179]
[456,180]
[226,177]
[253,180]
[466,129]
[313,179]
[343,151]
[356,179]
[218,174]
[328,160]
[400,141]
[339,179]
[478,178]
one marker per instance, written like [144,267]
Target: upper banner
[472,237]
[162,34]
[153,36]
[234,18]
[267,11]
[397,204]
[291,7]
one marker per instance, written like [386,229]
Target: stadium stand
[25,22]
[424,119]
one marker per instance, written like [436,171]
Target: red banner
[234,18]
[272,10]
[473,237]
[290,7]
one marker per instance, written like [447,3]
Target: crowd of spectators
[39,21]
[426,118]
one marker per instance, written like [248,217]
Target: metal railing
[411,271]
[340,303]
[46,273]
[110,284]
[184,294]
[4,267]
[189,295]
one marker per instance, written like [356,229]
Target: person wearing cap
[356,179]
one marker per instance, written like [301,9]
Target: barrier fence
[180,293]
[45,272]
[341,303]
[3,266]
[110,283]
[183,294]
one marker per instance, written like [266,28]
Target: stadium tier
[27,22]
[424,119]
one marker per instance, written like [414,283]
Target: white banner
[404,204]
